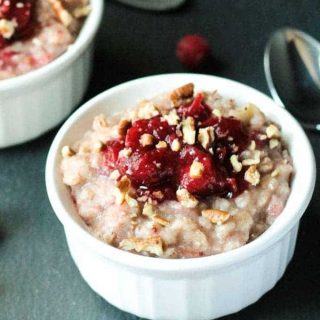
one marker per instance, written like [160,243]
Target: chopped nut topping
[122,189]
[254,160]
[72,179]
[196,169]
[216,216]
[134,223]
[161,221]
[266,165]
[161,145]
[206,136]
[272,131]
[262,137]
[175,146]
[236,165]
[146,139]
[85,148]
[149,210]
[66,152]
[114,175]
[274,173]
[61,13]
[97,146]
[273,143]
[133,204]
[188,129]
[99,122]
[182,93]
[7,28]
[82,11]
[172,117]
[217,113]
[119,196]
[186,199]
[252,175]
[252,145]
[152,244]
[123,126]
[147,111]
[125,152]
[158,194]
[246,113]
[124,184]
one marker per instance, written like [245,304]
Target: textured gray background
[38,279]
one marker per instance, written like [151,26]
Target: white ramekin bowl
[197,288]
[35,102]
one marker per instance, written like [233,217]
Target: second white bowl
[35,102]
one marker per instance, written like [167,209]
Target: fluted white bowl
[35,102]
[197,288]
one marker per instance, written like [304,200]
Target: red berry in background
[192,50]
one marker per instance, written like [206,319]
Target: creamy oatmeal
[35,32]
[181,175]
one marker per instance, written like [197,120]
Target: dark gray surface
[38,279]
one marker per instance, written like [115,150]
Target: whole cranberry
[192,50]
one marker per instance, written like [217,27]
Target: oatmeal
[181,175]
[35,32]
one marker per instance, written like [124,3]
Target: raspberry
[192,50]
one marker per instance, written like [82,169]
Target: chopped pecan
[186,199]
[216,216]
[182,93]
[152,245]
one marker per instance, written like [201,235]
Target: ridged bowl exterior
[27,113]
[197,288]
[192,296]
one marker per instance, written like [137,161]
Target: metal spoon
[292,69]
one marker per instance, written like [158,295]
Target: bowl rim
[180,266]
[87,32]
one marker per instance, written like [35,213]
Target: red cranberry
[156,126]
[196,109]
[192,50]
[205,184]
[151,167]
[111,153]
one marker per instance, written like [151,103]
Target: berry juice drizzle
[157,173]
[19,14]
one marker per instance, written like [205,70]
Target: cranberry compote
[159,168]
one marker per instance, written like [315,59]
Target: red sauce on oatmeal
[157,170]
[16,20]
[180,175]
